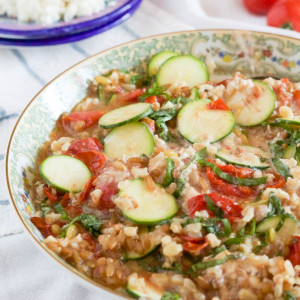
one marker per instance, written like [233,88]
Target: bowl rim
[77,276]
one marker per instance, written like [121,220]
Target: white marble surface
[24,272]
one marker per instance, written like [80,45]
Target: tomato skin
[218,104]
[107,192]
[52,197]
[198,203]
[259,7]
[296,97]
[160,99]
[85,144]
[226,188]
[73,211]
[285,14]
[93,159]
[42,226]
[87,189]
[294,255]
[238,172]
[277,183]
[132,96]
[65,201]
[89,118]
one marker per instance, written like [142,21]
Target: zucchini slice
[197,123]
[181,68]
[292,123]
[152,206]
[288,228]
[65,173]
[194,94]
[247,156]
[140,287]
[158,59]
[255,111]
[131,254]
[125,114]
[133,139]
[290,152]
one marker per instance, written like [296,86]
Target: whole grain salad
[171,186]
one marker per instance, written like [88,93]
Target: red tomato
[259,7]
[294,255]
[65,200]
[150,123]
[131,96]
[160,99]
[278,182]
[226,188]
[151,99]
[194,248]
[89,118]
[93,159]
[106,198]
[218,104]
[42,226]
[87,189]
[86,144]
[296,97]
[230,208]
[238,172]
[73,211]
[285,14]
[48,192]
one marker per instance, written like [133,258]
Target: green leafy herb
[211,263]
[264,243]
[277,149]
[170,296]
[218,211]
[252,227]
[134,79]
[155,90]
[231,178]
[275,207]
[160,118]
[282,169]
[219,250]
[59,209]
[91,224]
[258,198]
[168,179]
[180,100]
[289,296]
[45,209]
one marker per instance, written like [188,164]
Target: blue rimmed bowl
[225,51]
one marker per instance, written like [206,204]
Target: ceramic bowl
[224,51]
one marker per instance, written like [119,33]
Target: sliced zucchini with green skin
[287,122]
[152,206]
[181,68]
[113,99]
[255,111]
[242,159]
[140,287]
[289,227]
[168,179]
[194,94]
[289,152]
[65,173]
[125,114]
[131,254]
[133,139]
[158,59]
[197,123]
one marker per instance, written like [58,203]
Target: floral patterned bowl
[224,51]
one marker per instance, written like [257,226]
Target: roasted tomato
[82,145]
[294,255]
[259,7]
[51,196]
[218,104]
[94,160]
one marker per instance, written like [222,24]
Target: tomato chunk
[294,255]
[89,118]
[73,211]
[218,104]
[278,182]
[230,208]
[108,191]
[132,96]
[87,189]
[93,159]
[85,144]
[42,226]
[51,196]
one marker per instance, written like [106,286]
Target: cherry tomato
[87,189]
[89,119]
[218,104]
[278,182]
[160,99]
[106,198]
[93,159]
[226,188]
[131,96]
[285,14]
[230,208]
[42,226]
[259,7]
[51,196]
[150,123]
[235,171]
[82,145]
[296,97]
[65,201]
[294,255]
